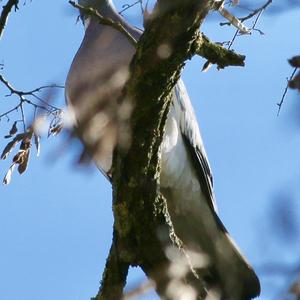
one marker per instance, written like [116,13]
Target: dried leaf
[295,289]
[13,129]
[295,82]
[206,66]
[56,129]
[234,21]
[7,177]
[37,144]
[26,143]
[295,61]
[9,147]
[24,163]
[19,157]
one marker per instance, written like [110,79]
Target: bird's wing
[191,135]
[200,223]
[98,74]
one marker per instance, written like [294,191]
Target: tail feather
[201,230]
[236,275]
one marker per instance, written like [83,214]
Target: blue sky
[56,219]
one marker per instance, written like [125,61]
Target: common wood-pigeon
[93,86]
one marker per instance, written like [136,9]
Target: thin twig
[31,92]
[233,39]
[23,116]
[279,104]
[8,85]
[105,21]
[10,111]
[127,6]
[257,12]
[5,13]
[252,14]
[39,89]
[47,107]
[54,108]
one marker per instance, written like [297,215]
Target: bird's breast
[177,172]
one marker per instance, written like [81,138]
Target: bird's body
[186,181]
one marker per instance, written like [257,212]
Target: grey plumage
[95,81]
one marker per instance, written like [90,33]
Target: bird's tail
[237,278]
[201,230]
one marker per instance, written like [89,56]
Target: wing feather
[193,141]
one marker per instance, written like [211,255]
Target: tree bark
[140,212]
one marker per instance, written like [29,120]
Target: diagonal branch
[5,13]
[105,21]
[139,209]
[216,54]
[114,275]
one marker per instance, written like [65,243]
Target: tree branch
[46,106]
[251,14]
[105,21]
[5,13]
[139,209]
[114,275]
[216,54]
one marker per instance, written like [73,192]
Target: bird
[94,86]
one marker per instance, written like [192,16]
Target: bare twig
[251,14]
[241,29]
[105,21]
[50,109]
[233,39]
[295,82]
[10,111]
[29,132]
[5,13]
[279,104]
[23,116]
[25,93]
[256,12]
[127,6]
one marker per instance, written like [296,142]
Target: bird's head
[104,7]
[101,6]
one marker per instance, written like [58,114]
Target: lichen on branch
[216,54]
[136,172]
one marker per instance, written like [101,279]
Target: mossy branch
[114,275]
[216,54]
[140,225]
